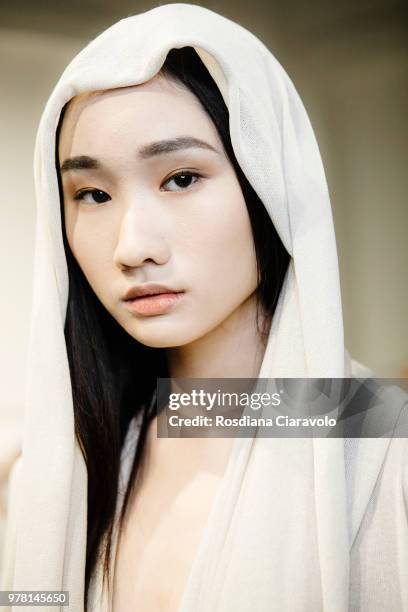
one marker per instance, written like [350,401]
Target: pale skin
[139,224]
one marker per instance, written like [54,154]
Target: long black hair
[113,376]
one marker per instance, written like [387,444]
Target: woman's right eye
[92,196]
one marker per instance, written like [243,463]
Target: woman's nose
[140,239]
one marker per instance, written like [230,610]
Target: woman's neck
[234,349]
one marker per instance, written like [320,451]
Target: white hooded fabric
[283,534]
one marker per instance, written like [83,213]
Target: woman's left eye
[182,181]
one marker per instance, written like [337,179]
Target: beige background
[348,61]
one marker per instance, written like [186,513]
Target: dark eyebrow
[82,162]
[173,144]
[160,147]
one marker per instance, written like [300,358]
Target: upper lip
[148,289]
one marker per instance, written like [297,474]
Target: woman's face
[151,197]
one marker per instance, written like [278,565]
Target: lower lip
[154,304]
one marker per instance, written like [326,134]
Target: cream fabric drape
[277,537]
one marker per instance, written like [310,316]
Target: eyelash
[80,195]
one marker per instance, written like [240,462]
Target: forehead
[156,109]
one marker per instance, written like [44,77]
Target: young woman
[154,200]
[175,158]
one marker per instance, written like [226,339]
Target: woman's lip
[154,304]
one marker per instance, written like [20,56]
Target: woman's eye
[92,196]
[177,182]
[181,181]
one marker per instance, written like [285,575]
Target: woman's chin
[162,334]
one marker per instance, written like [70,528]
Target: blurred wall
[354,83]
[30,65]
[349,64]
